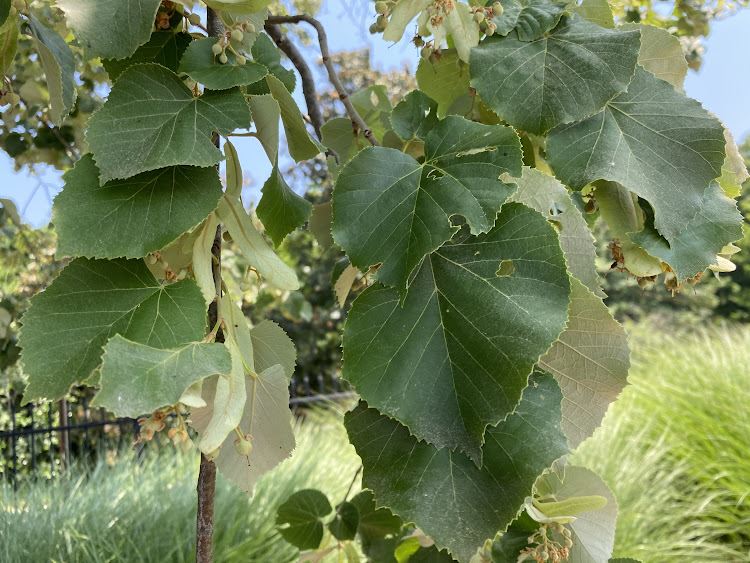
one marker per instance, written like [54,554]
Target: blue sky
[722,85]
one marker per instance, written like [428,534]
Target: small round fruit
[237,35]
[381,7]
[497,9]
[194,19]
[216,49]
[223,58]
[249,27]
[491,29]
[373,29]
[479,16]
[240,60]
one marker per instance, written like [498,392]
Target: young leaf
[131,217]
[374,522]
[445,80]
[390,209]
[301,145]
[414,116]
[565,75]
[110,29]
[661,54]
[8,43]
[200,64]
[253,246]
[266,419]
[164,48]
[345,522]
[151,120]
[549,197]
[280,209]
[66,326]
[59,67]
[299,518]
[655,142]
[137,379]
[272,346]
[456,503]
[444,349]
[590,362]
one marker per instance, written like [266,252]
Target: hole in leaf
[505,269]
[435,174]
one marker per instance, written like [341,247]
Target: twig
[308,82]
[332,75]
[206,487]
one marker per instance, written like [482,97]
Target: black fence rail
[43,440]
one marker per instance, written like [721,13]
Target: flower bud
[381,7]
[497,9]
[240,60]
[479,16]
[491,28]
[216,49]
[223,58]
[244,446]
[237,35]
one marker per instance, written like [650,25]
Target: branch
[332,75]
[308,82]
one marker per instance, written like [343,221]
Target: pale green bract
[131,217]
[301,145]
[565,75]
[66,326]
[456,503]
[390,209]
[59,67]
[444,350]
[272,346]
[110,29]
[137,379]
[151,120]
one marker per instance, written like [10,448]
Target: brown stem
[332,75]
[204,529]
[308,82]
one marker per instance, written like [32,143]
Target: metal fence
[43,440]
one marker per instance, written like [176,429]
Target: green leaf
[455,503]
[200,64]
[655,142]
[66,326]
[390,209]
[661,54]
[414,116]
[339,135]
[444,350]
[716,223]
[549,197]
[320,224]
[280,209]
[430,555]
[530,18]
[151,120]
[164,48]
[255,249]
[5,6]
[272,346]
[59,68]
[593,530]
[110,29]
[137,379]
[374,522]
[590,362]
[266,113]
[598,12]
[345,522]
[445,79]
[301,145]
[8,43]
[374,106]
[131,217]
[267,421]
[266,52]
[565,75]
[299,518]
